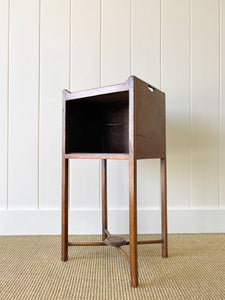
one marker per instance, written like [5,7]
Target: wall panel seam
[220,113]
[190,113]
[100,83]
[101,8]
[7,200]
[39,102]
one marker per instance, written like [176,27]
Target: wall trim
[47,222]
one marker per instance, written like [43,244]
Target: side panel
[150,120]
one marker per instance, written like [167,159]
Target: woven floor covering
[30,268]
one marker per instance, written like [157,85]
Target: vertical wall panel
[54,76]
[84,184]
[115,67]
[205,103]
[85,44]
[115,50]
[176,85]
[85,73]
[145,63]
[3,101]
[145,40]
[23,103]
[222,128]
[118,184]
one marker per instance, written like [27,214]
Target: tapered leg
[164,207]
[64,242]
[133,220]
[104,198]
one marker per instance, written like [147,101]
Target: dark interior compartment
[98,124]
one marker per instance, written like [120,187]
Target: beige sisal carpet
[30,268]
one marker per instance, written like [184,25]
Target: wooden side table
[124,121]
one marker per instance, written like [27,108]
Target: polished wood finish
[115,241]
[164,208]
[125,121]
[120,156]
[125,244]
[124,254]
[87,244]
[133,186]
[107,232]
[133,221]
[65,210]
[150,242]
[104,199]
[150,121]
[64,243]
[98,91]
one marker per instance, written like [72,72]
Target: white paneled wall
[205,103]
[222,109]
[3,102]
[54,76]
[23,103]
[176,80]
[49,45]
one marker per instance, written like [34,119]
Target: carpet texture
[30,268]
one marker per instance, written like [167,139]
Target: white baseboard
[48,222]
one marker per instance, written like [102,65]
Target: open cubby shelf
[98,125]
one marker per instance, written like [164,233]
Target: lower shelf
[115,241]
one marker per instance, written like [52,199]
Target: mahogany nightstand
[124,121]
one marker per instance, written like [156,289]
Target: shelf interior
[98,124]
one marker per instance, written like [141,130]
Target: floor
[30,268]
